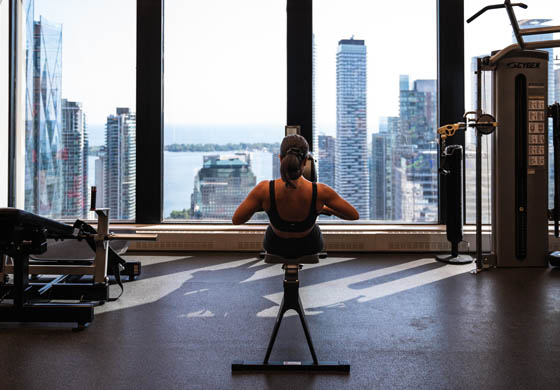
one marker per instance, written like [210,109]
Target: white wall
[4,69]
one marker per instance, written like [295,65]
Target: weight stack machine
[520,163]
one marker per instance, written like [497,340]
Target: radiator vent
[249,245]
[356,245]
[419,245]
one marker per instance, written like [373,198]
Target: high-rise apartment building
[352,170]
[74,159]
[120,164]
[327,147]
[222,183]
[43,116]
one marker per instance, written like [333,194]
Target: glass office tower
[327,147]
[120,164]
[74,159]
[43,117]
[416,141]
[352,171]
[222,183]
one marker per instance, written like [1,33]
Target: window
[225,103]
[479,43]
[376,106]
[79,107]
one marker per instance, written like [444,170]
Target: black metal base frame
[340,366]
[79,313]
[455,260]
[24,294]
[291,300]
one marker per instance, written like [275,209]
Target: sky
[225,61]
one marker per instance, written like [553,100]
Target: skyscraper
[120,164]
[378,182]
[43,143]
[352,171]
[327,146]
[393,172]
[417,111]
[221,185]
[74,160]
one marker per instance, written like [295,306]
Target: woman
[293,204]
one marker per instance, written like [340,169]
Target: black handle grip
[496,6]
[93,198]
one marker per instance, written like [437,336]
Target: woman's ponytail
[293,151]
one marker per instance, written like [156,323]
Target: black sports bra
[287,226]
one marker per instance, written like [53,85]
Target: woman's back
[293,204]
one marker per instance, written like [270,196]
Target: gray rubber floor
[403,321]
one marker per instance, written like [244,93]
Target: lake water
[180,169]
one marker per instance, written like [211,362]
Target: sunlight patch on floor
[335,292]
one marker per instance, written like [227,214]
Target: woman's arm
[334,204]
[251,204]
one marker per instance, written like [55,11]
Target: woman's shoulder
[263,185]
[324,190]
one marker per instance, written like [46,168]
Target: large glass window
[376,106]
[479,42]
[225,103]
[80,61]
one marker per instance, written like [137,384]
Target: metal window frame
[12,100]
[299,40]
[450,78]
[149,111]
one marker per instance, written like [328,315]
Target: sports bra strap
[272,195]
[313,209]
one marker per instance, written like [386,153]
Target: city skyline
[56,146]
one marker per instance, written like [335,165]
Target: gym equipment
[23,234]
[451,172]
[291,300]
[520,212]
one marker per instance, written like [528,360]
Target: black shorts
[293,247]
